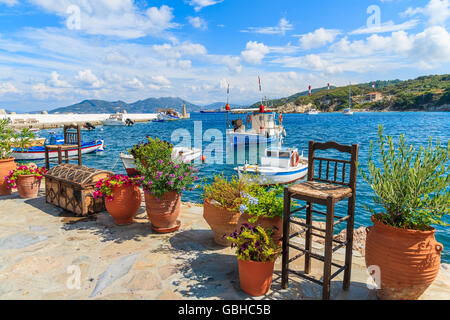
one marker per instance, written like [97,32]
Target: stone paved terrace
[38,242]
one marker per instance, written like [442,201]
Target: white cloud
[318,38]
[437,11]
[283,26]
[254,52]
[177,51]
[88,79]
[388,26]
[9,3]
[56,82]
[118,18]
[161,80]
[200,4]
[8,87]
[198,23]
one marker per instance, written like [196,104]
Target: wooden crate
[71,187]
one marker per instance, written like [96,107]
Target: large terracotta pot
[408,260]
[163,214]
[221,220]
[28,186]
[126,202]
[6,165]
[255,277]
[275,223]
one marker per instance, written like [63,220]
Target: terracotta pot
[255,277]
[221,220]
[163,214]
[408,260]
[126,202]
[275,223]
[28,186]
[6,165]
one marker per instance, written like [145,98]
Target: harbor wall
[45,121]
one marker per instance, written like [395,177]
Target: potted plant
[221,201]
[27,180]
[412,188]
[163,181]
[263,207]
[256,252]
[9,139]
[123,197]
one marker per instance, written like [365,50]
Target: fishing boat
[35,142]
[347,112]
[312,112]
[278,166]
[38,152]
[264,129]
[168,115]
[114,120]
[184,154]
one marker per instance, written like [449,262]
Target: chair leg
[328,250]
[308,237]
[47,161]
[349,245]
[66,154]
[285,246]
[59,155]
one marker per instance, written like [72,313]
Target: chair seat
[320,190]
[62,146]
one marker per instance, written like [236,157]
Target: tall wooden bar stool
[72,140]
[327,191]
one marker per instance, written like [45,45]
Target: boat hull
[39,154]
[264,177]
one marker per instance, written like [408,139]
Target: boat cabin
[279,157]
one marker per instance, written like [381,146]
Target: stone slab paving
[43,249]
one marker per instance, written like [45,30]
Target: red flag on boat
[309,93]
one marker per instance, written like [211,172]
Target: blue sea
[360,128]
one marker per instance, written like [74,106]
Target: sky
[54,53]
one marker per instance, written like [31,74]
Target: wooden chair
[325,191]
[72,140]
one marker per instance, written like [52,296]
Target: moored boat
[114,120]
[312,112]
[278,166]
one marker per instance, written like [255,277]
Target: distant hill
[220,105]
[150,105]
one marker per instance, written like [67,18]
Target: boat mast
[350,96]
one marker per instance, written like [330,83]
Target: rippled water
[359,128]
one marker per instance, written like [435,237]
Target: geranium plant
[254,244]
[104,187]
[262,202]
[412,185]
[160,173]
[226,193]
[23,170]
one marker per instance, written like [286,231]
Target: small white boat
[312,112]
[347,111]
[278,166]
[114,120]
[186,155]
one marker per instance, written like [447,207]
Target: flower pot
[28,186]
[221,220]
[276,223]
[163,214]
[126,202]
[255,277]
[408,260]
[6,165]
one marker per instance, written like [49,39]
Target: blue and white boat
[38,152]
[278,166]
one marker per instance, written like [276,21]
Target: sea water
[206,129]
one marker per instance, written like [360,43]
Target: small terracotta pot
[408,260]
[28,186]
[6,165]
[255,277]
[126,202]
[221,220]
[275,223]
[163,214]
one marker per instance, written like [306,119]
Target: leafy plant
[160,173]
[23,170]
[9,138]
[262,202]
[104,187]
[411,185]
[227,193]
[254,244]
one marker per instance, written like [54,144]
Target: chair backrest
[72,134]
[325,164]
